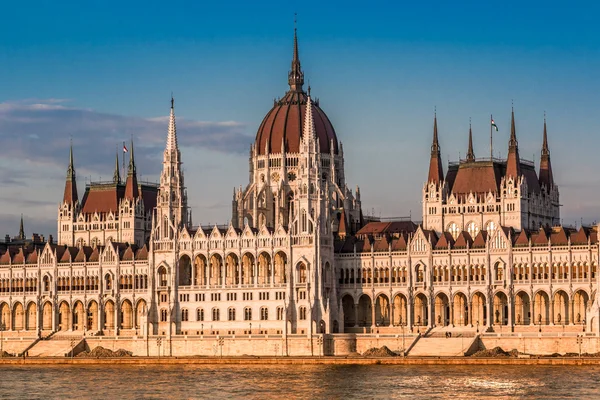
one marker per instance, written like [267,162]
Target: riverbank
[13,361]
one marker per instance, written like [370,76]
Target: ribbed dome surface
[284,122]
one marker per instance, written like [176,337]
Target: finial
[435,111]
[172,100]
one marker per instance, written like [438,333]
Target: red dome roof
[285,121]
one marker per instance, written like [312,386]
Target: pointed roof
[513,163]
[446,240]
[131,186]
[296,76]
[541,239]
[21,230]
[343,226]
[470,152]
[309,122]
[117,173]
[546,177]
[480,239]
[172,134]
[463,240]
[436,174]
[70,194]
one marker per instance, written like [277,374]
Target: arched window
[231,314]
[491,227]
[200,314]
[184,315]
[302,273]
[162,276]
[264,313]
[46,284]
[473,229]
[216,315]
[163,315]
[247,314]
[279,313]
[454,230]
[302,313]
[108,282]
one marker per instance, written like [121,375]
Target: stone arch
[382,310]
[421,310]
[216,270]
[478,309]
[461,309]
[400,315]
[580,305]
[302,272]
[561,307]
[522,308]
[264,267]
[126,314]
[18,316]
[280,261]
[64,316]
[31,316]
[185,271]
[5,317]
[200,269]
[78,317]
[248,268]
[500,312]
[141,310]
[47,316]
[231,269]
[442,309]
[365,315]
[349,308]
[92,315]
[109,315]
[541,308]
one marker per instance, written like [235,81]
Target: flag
[127,151]
[494,125]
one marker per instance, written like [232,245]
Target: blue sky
[102,72]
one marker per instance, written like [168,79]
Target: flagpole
[124,172]
[491,140]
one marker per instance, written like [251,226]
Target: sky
[101,72]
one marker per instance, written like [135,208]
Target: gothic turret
[436,174]
[21,229]
[117,174]
[513,163]
[70,195]
[546,178]
[131,186]
[470,152]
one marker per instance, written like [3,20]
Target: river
[299,382]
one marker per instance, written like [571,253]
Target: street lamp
[477,326]
[250,328]
[2,327]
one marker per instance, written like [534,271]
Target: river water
[299,382]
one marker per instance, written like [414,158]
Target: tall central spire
[70,194]
[546,178]
[131,185]
[513,162]
[172,135]
[296,76]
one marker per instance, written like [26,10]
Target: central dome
[284,122]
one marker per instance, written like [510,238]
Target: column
[452,313]
[54,316]
[551,310]
[532,311]
[571,311]
[239,272]
[511,311]
[373,322]
[471,313]
[356,315]
[100,317]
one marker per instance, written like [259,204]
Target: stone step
[54,347]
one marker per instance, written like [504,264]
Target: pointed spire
[546,177]
[513,162]
[21,230]
[470,152]
[117,174]
[70,194]
[131,186]
[172,135]
[296,76]
[309,123]
[436,174]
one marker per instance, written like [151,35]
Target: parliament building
[299,257]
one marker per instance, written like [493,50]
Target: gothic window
[108,282]
[491,227]
[200,314]
[231,314]
[163,315]
[279,313]
[304,221]
[184,315]
[302,313]
[247,314]
[264,313]
[162,276]
[473,229]
[216,315]
[454,230]
[302,273]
